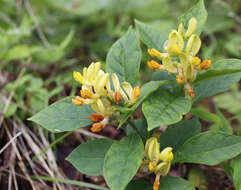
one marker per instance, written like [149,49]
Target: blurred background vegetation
[42,42]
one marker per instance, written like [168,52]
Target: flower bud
[152,149]
[166,155]
[181,29]
[206,64]
[78,100]
[154,65]
[192,25]
[154,53]
[179,79]
[163,168]
[136,92]
[96,117]
[78,77]
[195,61]
[117,97]
[97,127]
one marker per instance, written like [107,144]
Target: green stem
[68,181]
[52,144]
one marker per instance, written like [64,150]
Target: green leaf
[197,178]
[67,39]
[204,114]
[124,58]
[171,136]
[174,183]
[221,123]
[17,52]
[173,87]
[218,78]
[150,36]
[199,12]
[230,100]
[210,148]
[146,90]
[63,116]
[122,161]
[224,124]
[139,184]
[88,158]
[237,172]
[141,126]
[164,108]
[11,110]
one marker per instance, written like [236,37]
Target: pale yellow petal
[193,45]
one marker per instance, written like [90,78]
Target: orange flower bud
[78,100]
[191,93]
[96,117]
[97,127]
[136,92]
[154,53]
[86,93]
[118,97]
[154,65]
[179,79]
[206,64]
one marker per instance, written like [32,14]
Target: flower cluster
[97,92]
[157,162]
[180,55]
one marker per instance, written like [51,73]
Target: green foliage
[63,116]
[67,33]
[17,52]
[124,58]
[220,122]
[173,183]
[150,36]
[11,110]
[210,148]
[237,172]
[141,126]
[139,184]
[146,90]
[171,136]
[122,161]
[197,178]
[228,71]
[164,108]
[199,12]
[89,157]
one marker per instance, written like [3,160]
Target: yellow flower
[175,43]
[159,163]
[166,155]
[193,45]
[169,65]
[192,25]
[124,91]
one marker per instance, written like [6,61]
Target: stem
[133,126]
[51,145]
